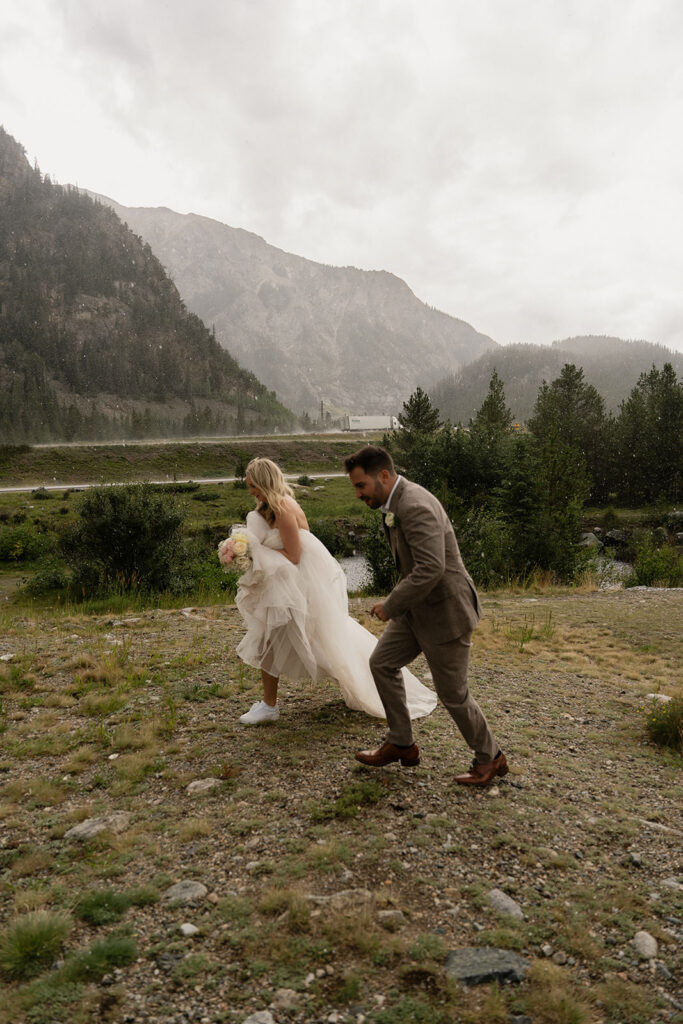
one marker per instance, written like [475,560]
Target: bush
[21,543]
[206,496]
[48,578]
[656,566]
[304,481]
[126,537]
[486,549]
[333,535]
[31,943]
[383,575]
[664,723]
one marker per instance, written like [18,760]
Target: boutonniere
[390,519]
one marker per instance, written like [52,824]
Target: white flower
[390,519]
[240,544]
[234,550]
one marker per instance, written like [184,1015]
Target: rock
[260,1017]
[202,786]
[645,945]
[343,900]
[504,904]
[672,883]
[6,657]
[475,965]
[185,892]
[547,949]
[616,538]
[589,540]
[492,791]
[560,957]
[188,930]
[663,971]
[91,827]
[286,999]
[661,697]
[636,859]
[392,920]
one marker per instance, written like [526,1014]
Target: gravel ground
[334,892]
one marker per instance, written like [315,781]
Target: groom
[432,609]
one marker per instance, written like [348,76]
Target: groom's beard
[376,499]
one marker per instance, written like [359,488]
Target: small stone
[663,971]
[492,791]
[309,979]
[91,827]
[547,950]
[188,930]
[212,897]
[286,999]
[645,945]
[391,920]
[185,892]
[344,899]
[260,1017]
[476,965]
[672,883]
[504,904]
[202,786]
[662,698]
[636,859]
[560,957]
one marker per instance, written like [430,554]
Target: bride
[294,604]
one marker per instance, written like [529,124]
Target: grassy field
[330,888]
[122,463]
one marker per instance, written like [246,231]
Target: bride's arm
[288,526]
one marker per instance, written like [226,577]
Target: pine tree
[494,417]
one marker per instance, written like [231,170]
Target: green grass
[31,943]
[349,801]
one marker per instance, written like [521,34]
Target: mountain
[356,340]
[94,338]
[610,364]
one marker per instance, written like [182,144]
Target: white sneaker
[259,713]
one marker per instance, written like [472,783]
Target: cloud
[519,165]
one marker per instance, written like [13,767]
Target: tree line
[517,496]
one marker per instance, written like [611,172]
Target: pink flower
[226,551]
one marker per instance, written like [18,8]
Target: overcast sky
[519,163]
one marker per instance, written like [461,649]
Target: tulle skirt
[298,625]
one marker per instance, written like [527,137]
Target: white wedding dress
[298,623]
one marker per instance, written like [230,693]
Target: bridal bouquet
[235,548]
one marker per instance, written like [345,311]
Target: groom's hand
[378,611]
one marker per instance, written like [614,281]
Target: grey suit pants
[398,646]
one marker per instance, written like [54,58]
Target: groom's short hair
[371,459]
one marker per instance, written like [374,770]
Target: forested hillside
[611,365]
[94,338]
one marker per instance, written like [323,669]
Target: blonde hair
[267,476]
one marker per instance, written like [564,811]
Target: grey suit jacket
[434,589]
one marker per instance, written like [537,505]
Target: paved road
[122,483]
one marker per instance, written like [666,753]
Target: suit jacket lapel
[392,534]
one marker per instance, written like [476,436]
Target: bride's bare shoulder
[291,506]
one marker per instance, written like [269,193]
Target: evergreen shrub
[126,538]
[656,566]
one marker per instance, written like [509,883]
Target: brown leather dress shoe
[481,774]
[388,752]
